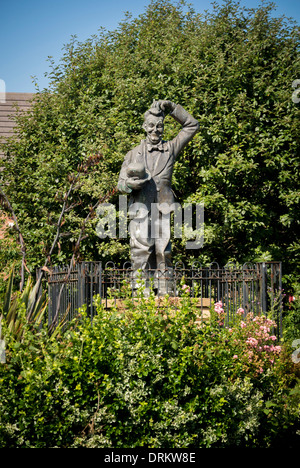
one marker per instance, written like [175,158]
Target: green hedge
[151,378]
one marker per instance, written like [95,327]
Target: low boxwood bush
[149,376]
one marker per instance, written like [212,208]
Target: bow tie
[159,147]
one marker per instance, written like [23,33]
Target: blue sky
[32,30]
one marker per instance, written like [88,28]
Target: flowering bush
[251,340]
[255,343]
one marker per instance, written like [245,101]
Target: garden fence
[254,287]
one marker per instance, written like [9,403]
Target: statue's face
[154,126]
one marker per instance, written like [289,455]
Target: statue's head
[154,123]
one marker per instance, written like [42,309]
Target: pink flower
[243,325]
[235,356]
[252,342]
[221,313]
[218,306]
[273,338]
[240,311]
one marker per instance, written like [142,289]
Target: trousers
[151,251]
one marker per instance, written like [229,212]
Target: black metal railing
[254,287]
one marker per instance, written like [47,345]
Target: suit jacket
[158,188]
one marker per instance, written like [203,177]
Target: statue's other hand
[135,184]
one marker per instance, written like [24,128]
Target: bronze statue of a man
[146,174]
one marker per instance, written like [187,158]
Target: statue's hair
[154,110]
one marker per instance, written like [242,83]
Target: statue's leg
[163,252]
[142,248]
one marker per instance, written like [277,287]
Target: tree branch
[76,250]
[73,180]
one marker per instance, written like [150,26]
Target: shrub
[146,377]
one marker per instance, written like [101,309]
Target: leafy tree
[232,68]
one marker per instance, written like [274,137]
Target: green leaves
[144,377]
[21,309]
[232,69]
[7,298]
